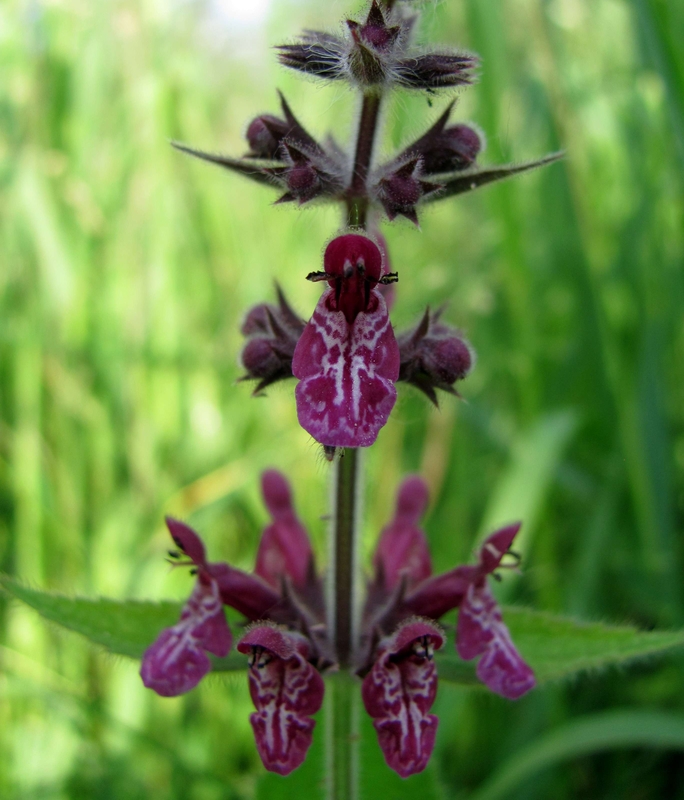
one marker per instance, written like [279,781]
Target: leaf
[256,170]
[559,647]
[123,627]
[467,180]
[592,734]
[555,647]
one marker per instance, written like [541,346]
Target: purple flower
[403,603]
[287,640]
[177,661]
[347,359]
[286,689]
[481,630]
[399,691]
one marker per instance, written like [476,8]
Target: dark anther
[517,558]
[173,553]
[329,452]
[318,276]
[193,571]
[496,576]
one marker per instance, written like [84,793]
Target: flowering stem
[357,203]
[342,725]
[346,512]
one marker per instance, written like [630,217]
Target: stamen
[424,648]
[259,658]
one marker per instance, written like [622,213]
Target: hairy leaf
[559,647]
[123,627]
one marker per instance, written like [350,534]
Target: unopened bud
[264,135]
[402,189]
[370,60]
[433,356]
[309,173]
[436,70]
[273,333]
[317,53]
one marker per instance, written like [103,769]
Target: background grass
[125,269]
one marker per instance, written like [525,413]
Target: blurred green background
[125,268]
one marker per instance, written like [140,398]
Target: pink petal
[495,547]
[284,548]
[347,373]
[441,593]
[399,692]
[187,540]
[343,257]
[481,631]
[402,549]
[248,594]
[176,661]
[286,690]
[478,616]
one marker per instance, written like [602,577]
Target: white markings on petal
[347,373]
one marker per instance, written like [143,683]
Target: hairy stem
[346,513]
[357,203]
[342,726]
[347,480]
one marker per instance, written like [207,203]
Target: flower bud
[435,70]
[316,53]
[370,59]
[401,190]
[264,135]
[444,149]
[433,356]
[273,333]
[309,173]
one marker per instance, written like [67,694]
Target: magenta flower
[347,359]
[399,692]
[286,689]
[404,601]
[177,661]
[287,640]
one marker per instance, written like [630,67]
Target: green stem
[342,726]
[357,201]
[344,555]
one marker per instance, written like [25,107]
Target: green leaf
[123,627]
[605,731]
[255,170]
[467,180]
[555,647]
[559,647]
